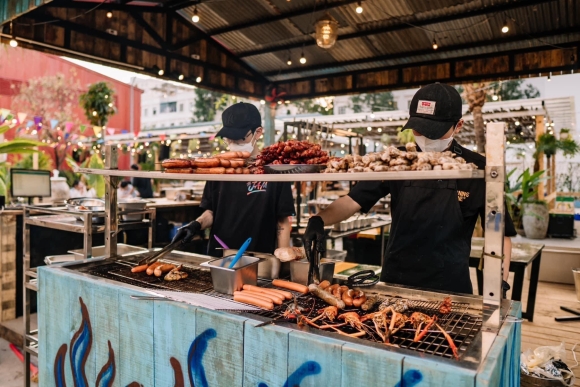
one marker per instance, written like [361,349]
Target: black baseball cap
[238,119]
[434,109]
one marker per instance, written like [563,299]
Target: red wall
[17,65]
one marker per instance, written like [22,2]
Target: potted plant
[535,213]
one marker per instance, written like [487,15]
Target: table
[523,254]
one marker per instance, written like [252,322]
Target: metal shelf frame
[65,220]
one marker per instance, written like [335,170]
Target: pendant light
[435,45]
[505,29]
[302,58]
[359,8]
[326,31]
[13,42]
[195,17]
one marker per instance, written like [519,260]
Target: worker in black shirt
[142,185]
[238,210]
[432,220]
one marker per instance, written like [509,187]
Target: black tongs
[161,253]
[313,255]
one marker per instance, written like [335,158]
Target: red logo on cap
[425,103]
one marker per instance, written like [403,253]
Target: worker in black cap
[432,220]
[238,210]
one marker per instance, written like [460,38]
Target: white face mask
[248,147]
[428,145]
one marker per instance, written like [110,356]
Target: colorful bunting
[83,128]
[22,117]
[29,123]
[97,130]
[53,123]
[162,137]
[111,131]
[68,126]
[4,112]
[37,119]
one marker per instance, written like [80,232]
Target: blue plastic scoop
[241,252]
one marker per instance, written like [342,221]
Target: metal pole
[26,298]
[494,225]
[111,218]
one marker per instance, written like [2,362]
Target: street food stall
[113,321]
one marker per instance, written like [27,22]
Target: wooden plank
[265,354]
[136,350]
[373,366]
[222,337]
[174,334]
[7,267]
[55,326]
[313,360]
[490,373]
[435,372]
[106,330]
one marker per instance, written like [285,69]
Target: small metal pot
[227,280]
[299,270]
[269,266]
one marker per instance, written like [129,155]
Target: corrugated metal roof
[525,20]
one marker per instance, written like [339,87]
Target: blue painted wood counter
[91,333]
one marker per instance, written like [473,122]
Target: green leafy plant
[524,191]
[548,144]
[98,103]
[45,162]
[529,186]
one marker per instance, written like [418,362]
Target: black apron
[426,245]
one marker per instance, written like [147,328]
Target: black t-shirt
[143,186]
[242,210]
[470,194]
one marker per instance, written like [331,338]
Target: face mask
[248,147]
[428,145]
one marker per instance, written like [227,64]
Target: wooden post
[269,124]
[540,129]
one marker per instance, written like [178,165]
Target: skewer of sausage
[286,295]
[275,299]
[291,286]
[252,300]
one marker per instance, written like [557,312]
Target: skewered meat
[445,306]
[176,274]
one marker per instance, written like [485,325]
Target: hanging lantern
[326,31]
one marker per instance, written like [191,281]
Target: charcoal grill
[463,323]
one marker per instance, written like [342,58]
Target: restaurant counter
[106,333]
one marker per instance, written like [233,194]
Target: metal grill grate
[460,325]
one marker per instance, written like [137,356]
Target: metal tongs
[156,255]
[313,254]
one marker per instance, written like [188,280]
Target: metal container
[50,259]
[227,280]
[87,205]
[299,270]
[122,249]
[336,255]
[269,266]
[133,205]
[576,273]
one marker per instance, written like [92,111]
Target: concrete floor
[11,369]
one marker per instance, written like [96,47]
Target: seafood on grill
[418,319]
[399,305]
[445,306]
[176,274]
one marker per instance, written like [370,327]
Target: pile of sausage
[291,152]
[266,298]
[342,296]
[223,163]
[172,272]
[394,159]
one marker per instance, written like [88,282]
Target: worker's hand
[186,233]
[504,288]
[314,236]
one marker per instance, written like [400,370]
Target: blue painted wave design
[59,380]
[195,356]
[410,379]
[307,368]
[107,374]
[80,346]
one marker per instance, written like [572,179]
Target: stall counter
[92,331]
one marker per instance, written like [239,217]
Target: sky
[119,75]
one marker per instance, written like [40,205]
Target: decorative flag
[9,117]
[149,135]
[124,131]
[53,123]
[162,137]
[68,126]
[66,135]
[4,112]
[2,119]
[29,123]
[111,131]
[37,119]
[83,128]
[97,130]
[136,132]
[22,117]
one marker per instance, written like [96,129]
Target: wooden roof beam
[400,26]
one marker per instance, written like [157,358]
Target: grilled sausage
[206,163]
[326,296]
[286,295]
[291,286]
[215,171]
[248,299]
[324,284]
[230,171]
[347,298]
[233,155]
[278,300]
[176,163]
[139,269]
[163,268]
[225,163]
[179,170]
[152,267]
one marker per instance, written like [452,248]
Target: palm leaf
[4,129]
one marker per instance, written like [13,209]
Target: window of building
[145,112]
[168,107]
[172,124]
[154,111]
[342,110]
[180,107]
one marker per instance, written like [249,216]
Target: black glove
[504,288]
[314,236]
[186,233]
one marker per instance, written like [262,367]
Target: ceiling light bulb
[109,14]
[262,102]
[505,28]
[195,17]
[494,97]
[198,79]
[372,115]
[289,62]
[161,72]
[359,8]
[435,46]
[302,59]
[369,128]
[180,77]
[13,43]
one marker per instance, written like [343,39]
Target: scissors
[363,278]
